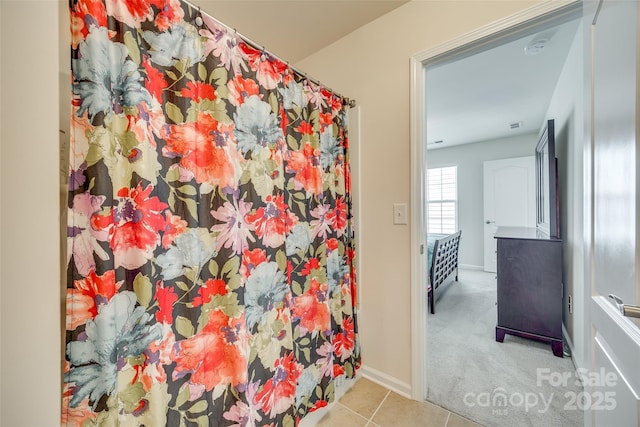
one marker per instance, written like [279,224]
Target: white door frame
[547,12]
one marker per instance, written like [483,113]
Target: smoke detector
[535,47]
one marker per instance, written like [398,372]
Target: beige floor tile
[364,397]
[398,411]
[458,421]
[339,416]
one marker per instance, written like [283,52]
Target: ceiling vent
[515,125]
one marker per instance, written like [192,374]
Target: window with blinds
[442,196]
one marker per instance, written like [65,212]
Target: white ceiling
[477,98]
[295,29]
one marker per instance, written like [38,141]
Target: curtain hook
[234,40]
[198,19]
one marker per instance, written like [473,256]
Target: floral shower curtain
[210,252]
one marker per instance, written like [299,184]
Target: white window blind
[442,196]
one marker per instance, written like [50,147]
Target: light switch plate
[400,214]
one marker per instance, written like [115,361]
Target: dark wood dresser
[529,286]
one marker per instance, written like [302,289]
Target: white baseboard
[387,381]
[574,359]
[471,267]
[565,335]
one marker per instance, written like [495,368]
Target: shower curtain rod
[351,103]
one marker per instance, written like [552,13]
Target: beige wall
[29,267]
[1,232]
[372,66]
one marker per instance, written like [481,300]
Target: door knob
[490,222]
[626,310]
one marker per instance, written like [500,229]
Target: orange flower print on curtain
[210,253]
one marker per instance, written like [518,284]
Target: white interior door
[612,396]
[509,200]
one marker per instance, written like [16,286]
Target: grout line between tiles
[446,423]
[353,412]
[378,408]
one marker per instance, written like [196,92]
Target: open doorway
[456,376]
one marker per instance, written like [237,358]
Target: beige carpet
[494,384]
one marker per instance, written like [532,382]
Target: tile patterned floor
[368,404]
